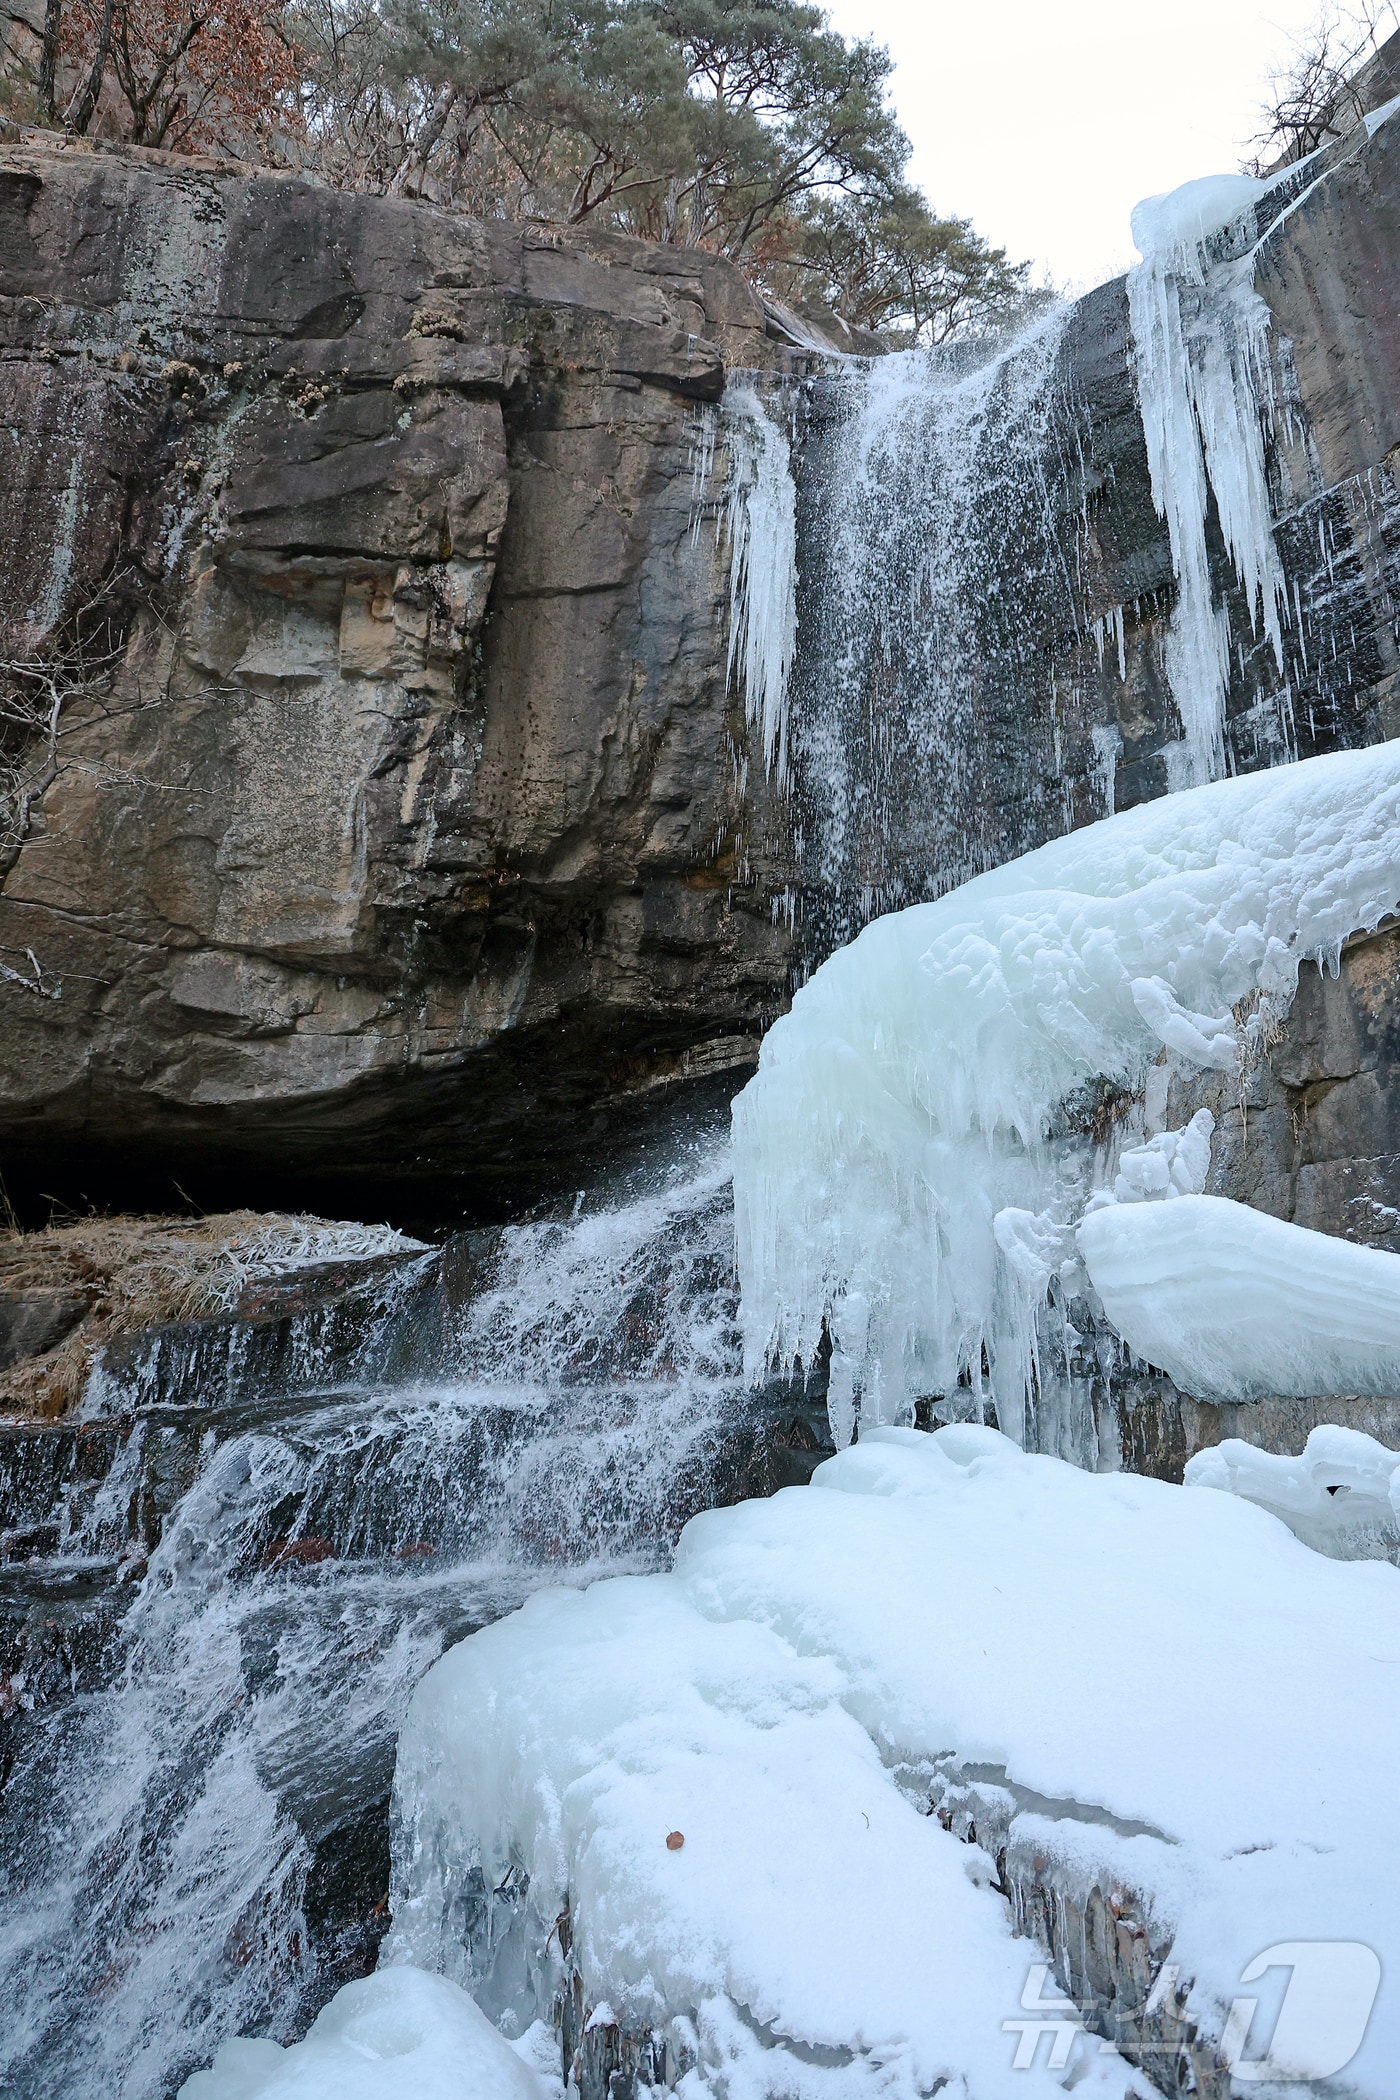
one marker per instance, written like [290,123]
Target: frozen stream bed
[1156,1692]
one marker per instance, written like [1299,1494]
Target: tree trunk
[415,162]
[48,61]
[80,115]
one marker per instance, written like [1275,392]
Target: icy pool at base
[1177,1697]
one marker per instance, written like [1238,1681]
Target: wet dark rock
[428,856]
[33,1321]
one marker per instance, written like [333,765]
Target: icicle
[702,434]
[761,516]
[1200,331]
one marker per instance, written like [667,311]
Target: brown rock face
[412,842]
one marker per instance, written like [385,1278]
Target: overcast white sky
[1044,123]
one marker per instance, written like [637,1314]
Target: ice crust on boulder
[1173,1163]
[1235,1305]
[1341,1495]
[397,2035]
[916,1090]
[1175,223]
[929,1616]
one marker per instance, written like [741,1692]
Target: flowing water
[934,575]
[195,1840]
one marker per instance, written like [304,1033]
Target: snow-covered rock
[1341,1494]
[1235,1305]
[1155,1693]
[396,2035]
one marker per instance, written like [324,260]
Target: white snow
[1174,1163]
[910,1096]
[1236,1305]
[1341,1495]
[1200,332]
[761,519]
[1154,1689]
[397,2035]
[1376,117]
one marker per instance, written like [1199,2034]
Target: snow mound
[1147,1690]
[918,1086]
[396,2035]
[1341,1495]
[1235,1305]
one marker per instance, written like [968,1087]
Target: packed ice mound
[396,2035]
[1153,1698]
[1235,1305]
[1341,1495]
[686,1773]
[943,1069]
[1177,222]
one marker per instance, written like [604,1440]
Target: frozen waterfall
[760,516]
[1205,390]
[917,1143]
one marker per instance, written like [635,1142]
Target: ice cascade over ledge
[913,1151]
[1204,388]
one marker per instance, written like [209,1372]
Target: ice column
[761,517]
[1200,331]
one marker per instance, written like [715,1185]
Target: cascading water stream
[195,1847]
[928,490]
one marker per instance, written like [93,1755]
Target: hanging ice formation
[905,1170]
[761,519]
[1204,385]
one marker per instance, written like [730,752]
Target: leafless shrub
[1313,97]
[49,699]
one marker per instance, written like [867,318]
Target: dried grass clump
[147,1272]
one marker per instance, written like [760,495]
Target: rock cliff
[406,837]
